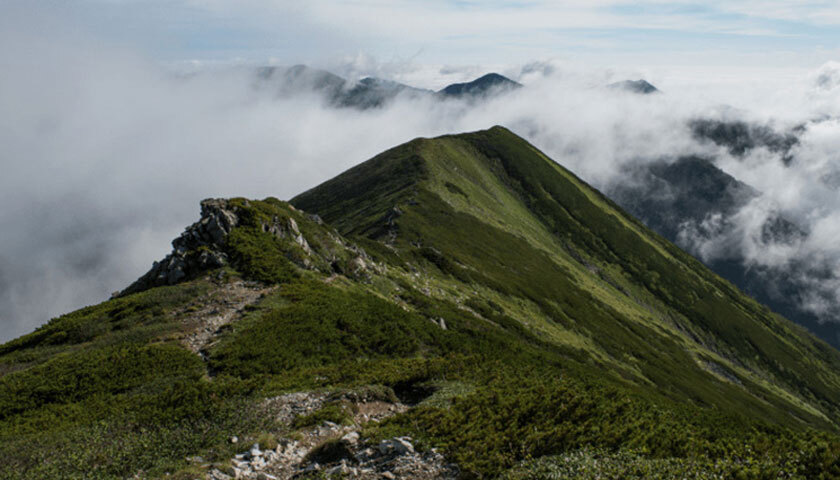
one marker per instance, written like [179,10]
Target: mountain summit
[460,306]
[370,92]
[640,86]
[482,86]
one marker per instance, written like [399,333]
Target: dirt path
[205,318]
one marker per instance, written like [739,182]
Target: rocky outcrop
[203,245]
[345,457]
[198,249]
[287,230]
[331,450]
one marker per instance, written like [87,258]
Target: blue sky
[603,32]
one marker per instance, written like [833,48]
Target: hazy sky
[777,33]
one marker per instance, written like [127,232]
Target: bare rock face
[291,230]
[198,249]
[202,246]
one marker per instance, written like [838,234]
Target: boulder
[351,438]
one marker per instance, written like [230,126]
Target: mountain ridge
[481,86]
[372,92]
[656,244]
[468,293]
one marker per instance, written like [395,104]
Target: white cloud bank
[105,155]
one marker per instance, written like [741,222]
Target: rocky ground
[331,450]
[205,318]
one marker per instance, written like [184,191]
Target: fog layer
[105,156]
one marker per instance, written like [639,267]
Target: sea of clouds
[105,154]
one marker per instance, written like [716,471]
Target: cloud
[449,31]
[827,77]
[106,154]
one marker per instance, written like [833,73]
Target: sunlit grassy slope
[502,215]
[574,337]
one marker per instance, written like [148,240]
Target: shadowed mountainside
[636,86]
[690,201]
[485,85]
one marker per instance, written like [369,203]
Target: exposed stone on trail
[198,249]
[393,458]
[333,450]
[287,407]
[205,317]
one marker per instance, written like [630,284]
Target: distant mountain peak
[488,83]
[636,86]
[740,137]
[369,92]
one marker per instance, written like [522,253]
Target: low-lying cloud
[106,155]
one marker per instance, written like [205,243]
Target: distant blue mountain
[636,86]
[489,84]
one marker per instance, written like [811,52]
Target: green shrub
[335,412]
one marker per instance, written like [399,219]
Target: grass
[104,393]
[134,319]
[334,412]
[577,343]
[591,464]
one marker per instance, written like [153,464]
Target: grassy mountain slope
[528,322]
[539,234]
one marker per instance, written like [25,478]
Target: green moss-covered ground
[577,343]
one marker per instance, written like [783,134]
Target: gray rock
[293,226]
[217,474]
[255,451]
[351,438]
[303,243]
[198,249]
[403,445]
[258,463]
[358,265]
[365,454]
[396,446]
[341,469]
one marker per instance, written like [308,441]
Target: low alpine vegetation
[503,312]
